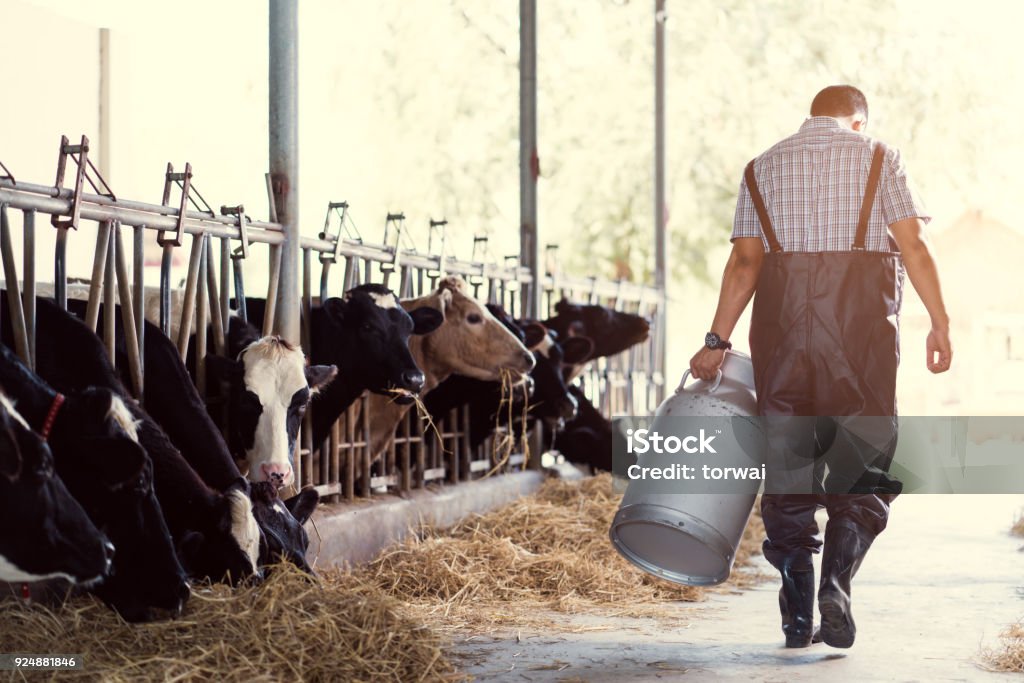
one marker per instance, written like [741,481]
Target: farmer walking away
[826,222]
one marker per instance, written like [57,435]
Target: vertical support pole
[28,296]
[99,267]
[284,156]
[128,311]
[139,295]
[104,163]
[109,297]
[17,314]
[60,268]
[529,163]
[660,203]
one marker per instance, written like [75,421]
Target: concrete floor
[938,585]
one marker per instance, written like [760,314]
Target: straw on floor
[547,551]
[290,628]
[1009,656]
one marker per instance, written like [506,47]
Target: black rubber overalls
[824,342]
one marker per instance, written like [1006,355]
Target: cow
[175,404]
[588,438]
[284,538]
[611,331]
[93,438]
[470,342]
[215,533]
[365,333]
[44,533]
[549,399]
[269,388]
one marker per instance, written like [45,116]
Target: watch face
[711,340]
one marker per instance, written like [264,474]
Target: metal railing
[419,455]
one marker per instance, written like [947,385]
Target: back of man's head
[840,101]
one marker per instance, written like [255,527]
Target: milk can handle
[714,385]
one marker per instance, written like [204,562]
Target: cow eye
[474,318]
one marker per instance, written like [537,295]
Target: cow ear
[534,334]
[240,335]
[220,368]
[319,376]
[119,462]
[302,505]
[426,319]
[563,306]
[576,350]
[335,309]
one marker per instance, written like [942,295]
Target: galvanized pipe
[109,298]
[17,314]
[273,282]
[28,297]
[225,283]
[216,321]
[60,269]
[128,311]
[529,163]
[188,304]
[139,297]
[202,300]
[157,210]
[660,202]
[238,270]
[99,266]
[284,156]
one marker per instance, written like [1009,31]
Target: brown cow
[470,342]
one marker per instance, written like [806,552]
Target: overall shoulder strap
[762,212]
[869,196]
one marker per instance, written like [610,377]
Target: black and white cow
[92,436]
[365,333]
[176,406]
[269,388]
[588,439]
[284,537]
[215,532]
[44,533]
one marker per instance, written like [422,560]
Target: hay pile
[1010,656]
[547,551]
[291,628]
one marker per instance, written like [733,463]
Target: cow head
[44,532]
[270,388]
[284,537]
[611,331]
[227,547]
[94,441]
[471,341]
[370,339]
[551,399]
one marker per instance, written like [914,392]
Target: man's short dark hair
[838,101]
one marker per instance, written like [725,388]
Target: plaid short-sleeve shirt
[813,184]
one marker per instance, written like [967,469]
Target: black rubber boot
[845,548]
[796,601]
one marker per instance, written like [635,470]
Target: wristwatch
[713,341]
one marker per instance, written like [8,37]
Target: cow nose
[413,381]
[277,474]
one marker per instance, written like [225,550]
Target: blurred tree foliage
[740,76]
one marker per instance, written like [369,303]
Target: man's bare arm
[738,284]
[924,275]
